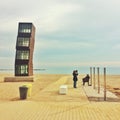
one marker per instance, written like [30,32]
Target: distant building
[24,49]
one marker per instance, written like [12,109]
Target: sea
[68,70]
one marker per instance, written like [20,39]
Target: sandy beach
[46,103]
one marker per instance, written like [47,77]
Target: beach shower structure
[24,49]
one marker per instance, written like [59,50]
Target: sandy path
[46,103]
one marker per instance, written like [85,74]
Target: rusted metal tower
[24,49]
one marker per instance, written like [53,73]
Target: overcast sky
[68,32]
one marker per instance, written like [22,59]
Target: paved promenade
[48,104]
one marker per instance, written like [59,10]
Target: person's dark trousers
[75,82]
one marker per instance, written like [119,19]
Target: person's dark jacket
[75,74]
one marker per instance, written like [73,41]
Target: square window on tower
[22,54]
[23,41]
[21,69]
[25,28]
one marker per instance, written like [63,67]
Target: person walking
[75,79]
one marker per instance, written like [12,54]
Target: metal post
[91,76]
[94,77]
[98,80]
[104,84]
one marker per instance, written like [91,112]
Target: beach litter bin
[23,92]
[29,86]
